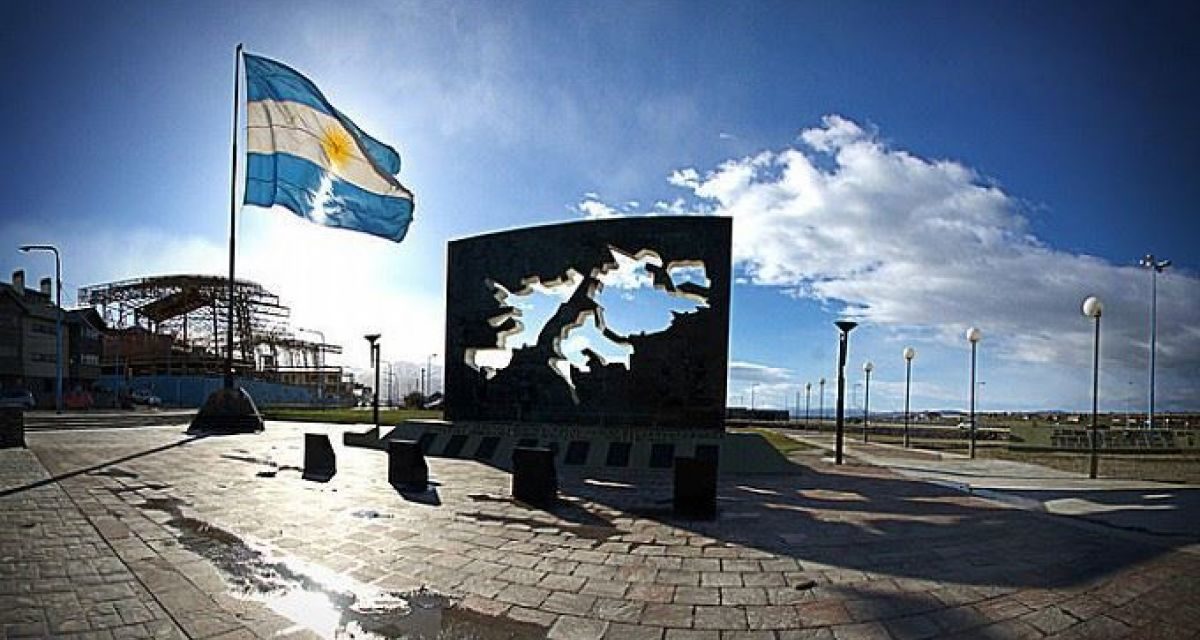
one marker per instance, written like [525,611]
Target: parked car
[17,398]
[78,398]
[144,396]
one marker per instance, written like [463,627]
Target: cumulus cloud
[927,245]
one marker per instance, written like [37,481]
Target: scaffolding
[176,324]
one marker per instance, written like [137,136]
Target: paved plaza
[149,532]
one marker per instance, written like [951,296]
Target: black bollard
[406,465]
[534,480]
[12,428]
[320,463]
[696,488]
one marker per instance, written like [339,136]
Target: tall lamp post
[807,392]
[320,364]
[909,354]
[1092,308]
[752,388]
[429,374]
[373,340]
[844,328]
[868,367]
[821,406]
[974,335]
[58,392]
[1156,267]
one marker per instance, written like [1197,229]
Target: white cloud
[929,245]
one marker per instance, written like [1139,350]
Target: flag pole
[237,58]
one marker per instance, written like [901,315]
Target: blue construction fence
[191,391]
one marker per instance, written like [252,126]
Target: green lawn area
[349,416]
[782,443]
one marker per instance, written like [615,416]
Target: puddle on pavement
[325,602]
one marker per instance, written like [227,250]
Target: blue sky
[921,166]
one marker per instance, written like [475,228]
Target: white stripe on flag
[297,129]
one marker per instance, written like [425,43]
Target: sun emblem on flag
[337,145]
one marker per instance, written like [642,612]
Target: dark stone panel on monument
[487,448]
[406,465]
[534,479]
[320,462]
[695,488]
[674,377]
[426,441]
[455,446]
[662,455]
[618,454]
[577,452]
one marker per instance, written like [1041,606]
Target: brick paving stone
[693,634]
[667,615]
[720,579]
[622,631]
[754,634]
[559,582]
[823,633]
[861,631]
[772,617]
[604,588]
[568,603]
[719,618]
[913,627]
[575,628]
[523,595]
[660,593]
[1050,620]
[532,616]
[822,614]
[697,595]
[733,596]
[618,610]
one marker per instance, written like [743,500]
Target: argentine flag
[310,158]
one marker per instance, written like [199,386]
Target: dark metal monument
[674,377]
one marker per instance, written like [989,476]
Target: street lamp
[58,391]
[868,367]
[821,409]
[429,374]
[844,329]
[320,364]
[909,354]
[807,392]
[974,335]
[373,340]
[752,388]
[1092,308]
[1156,267]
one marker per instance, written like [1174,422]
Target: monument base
[584,448]
[227,411]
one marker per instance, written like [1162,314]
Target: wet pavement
[220,537]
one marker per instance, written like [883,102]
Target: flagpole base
[227,410]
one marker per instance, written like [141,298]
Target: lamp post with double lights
[58,359]
[974,335]
[373,340]
[868,367]
[1156,267]
[844,329]
[909,354]
[1092,308]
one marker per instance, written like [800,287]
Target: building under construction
[175,326]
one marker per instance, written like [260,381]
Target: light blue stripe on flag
[308,157]
[294,183]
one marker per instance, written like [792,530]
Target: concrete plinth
[227,411]
[534,479]
[320,462]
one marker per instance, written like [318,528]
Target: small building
[27,341]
